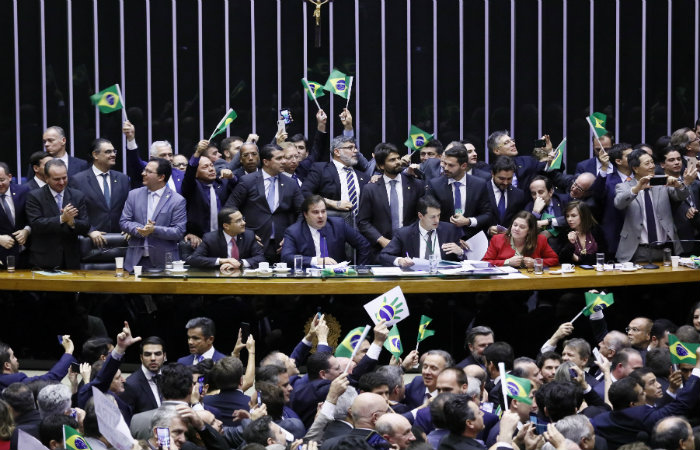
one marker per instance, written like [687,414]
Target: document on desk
[387,271]
[512,275]
[52,274]
[334,266]
[478,244]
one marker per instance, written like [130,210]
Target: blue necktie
[352,193]
[271,201]
[650,221]
[323,245]
[502,206]
[394,204]
[458,196]
[6,207]
[105,185]
[59,202]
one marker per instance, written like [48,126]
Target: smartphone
[200,381]
[539,143]
[75,367]
[318,315]
[501,228]
[163,438]
[281,128]
[658,180]
[259,398]
[586,266]
[60,339]
[573,374]
[286,115]
[245,331]
[74,413]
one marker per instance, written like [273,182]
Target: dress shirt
[316,236]
[228,238]
[39,182]
[153,199]
[151,382]
[399,193]
[423,247]
[463,191]
[497,193]
[266,178]
[644,238]
[100,180]
[209,354]
[599,165]
[63,158]
[342,174]
[11,205]
[63,202]
[289,175]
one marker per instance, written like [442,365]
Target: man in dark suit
[478,338]
[321,239]
[685,213]
[248,158]
[57,215]
[9,365]
[593,165]
[548,207]
[105,191]
[141,391]
[269,202]
[367,409]
[155,217]
[526,167]
[390,203]
[464,199]
[423,238]
[506,200]
[465,421]
[14,230]
[425,385]
[200,340]
[54,140]
[37,160]
[231,247]
[227,376]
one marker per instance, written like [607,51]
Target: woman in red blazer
[520,245]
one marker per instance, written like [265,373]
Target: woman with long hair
[520,245]
[584,239]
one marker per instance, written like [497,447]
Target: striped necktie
[352,192]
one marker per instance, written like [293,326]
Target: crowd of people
[236,204]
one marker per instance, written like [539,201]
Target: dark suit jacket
[135,165]
[515,201]
[688,228]
[415,393]
[75,166]
[102,217]
[102,381]
[323,180]
[137,393]
[189,359]
[18,193]
[298,241]
[335,429]
[227,401]
[476,205]
[587,165]
[469,360]
[32,184]
[457,442]
[249,197]
[374,218]
[318,149]
[612,218]
[558,202]
[407,240]
[197,195]
[214,246]
[526,167]
[334,441]
[55,244]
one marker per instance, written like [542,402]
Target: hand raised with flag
[381,332]
[338,386]
[346,119]
[125,339]
[411,360]
[509,423]
[129,131]
[321,120]
[67,344]
[202,145]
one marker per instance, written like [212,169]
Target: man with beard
[140,390]
[390,203]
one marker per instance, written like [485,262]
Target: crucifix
[317,16]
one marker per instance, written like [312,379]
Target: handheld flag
[598,121]
[337,83]
[390,306]
[348,344]
[552,230]
[313,89]
[555,164]
[357,347]
[349,81]
[108,100]
[423,331]
[681,352]
[519,388]
[393,342]
[417,138]
[224,123]
[596,302]
[73,440]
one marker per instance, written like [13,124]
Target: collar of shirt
[149,375]
[40,183]
[54,193]
[209,354]
[64,158]
[431,394]
[422,231]
[463,180]
[598,165]
[267,176]
[340,167]
[496,190]
[159,192]
[388,180]
[98,173]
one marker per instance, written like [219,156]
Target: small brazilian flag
[423,331]
[225,122]
[552,230]
[313,89]
[518,388]
[417,138]
[393,342]
[338,83]
[599,120]
[73,440]
[109,100]
[558,156]
[596,302]
[681,352]
[348,344]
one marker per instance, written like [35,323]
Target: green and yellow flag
[518,388]
[393,342]
[108,100]
[224,123]
[313,89]
[558,156]
[594,302]
[417,138]
[348,344]
[423,331]
[598,121]
[681,352]
[73,440]
[338,83]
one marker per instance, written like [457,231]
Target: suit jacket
[476,205]
[197,195]
[135,165]
[336,428]
[102,381]
[227,401]
[415,393]
[102,217]
[56,374]
[319,144]
[587,165]
[137,393]
[55,244]
[298,241]
[558,203]
[75,166]
[515,201]
[32,184]
[170,217]
[189,359]
[688,228]
[214,246]
[18,194]
[323,180]
[458,442]
[469,360]
[374,218]
[611,217]
[499,250]
[526,167]
[249,197]
[407,241]
[631,232]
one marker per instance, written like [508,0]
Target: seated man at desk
[423,238]
[321,239]
[229,248]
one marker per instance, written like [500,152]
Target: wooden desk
[101,281]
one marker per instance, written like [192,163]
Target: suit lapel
[92,181]
[336,177]
[260,186]
[162,201]
[414,241]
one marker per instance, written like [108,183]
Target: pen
[407,255]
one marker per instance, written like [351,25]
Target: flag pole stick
[347,103]
[504,388]
[357,347]
[579,314]
[121,99]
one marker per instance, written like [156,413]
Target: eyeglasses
[576,187]
[348,147]
[180,165]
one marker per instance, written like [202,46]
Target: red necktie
[234,249]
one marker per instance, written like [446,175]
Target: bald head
[673,433]
[367,408]
[582,185]
[396,429]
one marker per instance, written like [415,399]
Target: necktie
[105,185]
[394,205]
[59,202]
[6,207]
[296,178]
[429,244]
[650,220]
[323,246]
[152,202]
[199,358]
[234,249]
[352,193]
[271,201]
[502,206]
[213,209]
[458,196]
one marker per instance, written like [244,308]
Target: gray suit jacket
[634,215]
